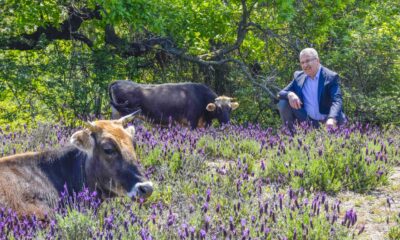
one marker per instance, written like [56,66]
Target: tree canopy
[57,57]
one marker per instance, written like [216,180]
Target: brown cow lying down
[186,103]
[101,157]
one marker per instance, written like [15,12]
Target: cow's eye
[109,149]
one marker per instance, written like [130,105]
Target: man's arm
[283,94]
[337,101]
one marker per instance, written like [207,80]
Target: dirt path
[373,210]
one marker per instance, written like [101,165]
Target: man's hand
[294,100]
[331,123]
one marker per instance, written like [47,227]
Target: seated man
[314,94]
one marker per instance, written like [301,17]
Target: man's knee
[283,105]
[342,119]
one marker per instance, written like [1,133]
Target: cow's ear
[234,105]
[131,131]
[82,140]
[211,107]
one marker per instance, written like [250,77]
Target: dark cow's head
[222,108]
[111,165]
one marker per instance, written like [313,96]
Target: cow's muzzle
[141,190]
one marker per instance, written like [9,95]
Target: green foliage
[382,108]
[321,163]
[151,158]
[175,162]
[76,225]
[66,79]
[209,145]
[394,232]
[157,157]
[365,53]
[255,107]
[42,136]
[19,17]
[228,147]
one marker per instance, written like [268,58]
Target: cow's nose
[144,189]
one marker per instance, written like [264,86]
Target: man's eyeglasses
[307,61]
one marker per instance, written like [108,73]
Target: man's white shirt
[310,93]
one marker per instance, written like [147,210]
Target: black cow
[101,157]
[191,104]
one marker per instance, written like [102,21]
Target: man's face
[309,64]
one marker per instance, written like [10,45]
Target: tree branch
[269,32]
[136,49]
[266,87]
[68,30]
[241,34]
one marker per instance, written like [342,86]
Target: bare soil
[373,210]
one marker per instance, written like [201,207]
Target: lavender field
[233,182]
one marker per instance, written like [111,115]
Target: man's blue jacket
[329,94]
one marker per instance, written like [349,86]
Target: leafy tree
[57,56]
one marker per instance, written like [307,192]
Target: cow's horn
[91,126]
[220,98]
[124,120]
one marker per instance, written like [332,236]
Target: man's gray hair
[309,51]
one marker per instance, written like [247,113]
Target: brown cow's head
[112,168]
[222,108]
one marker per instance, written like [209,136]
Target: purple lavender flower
[388,201]
[171,219]
[231,225]
[217,208]
[262,165]
[203,234]
[243,222]
[208,194]
[207,220]
[205,207]
[245,233]
[361,229]
[280,201]
[267,231]
[192,230]
[320,152]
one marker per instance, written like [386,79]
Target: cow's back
[176,96]
[24,187]
[31,183]
[124,92]
[183,102]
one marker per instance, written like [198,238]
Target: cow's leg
[193,124]
[201,122]
[208,123]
